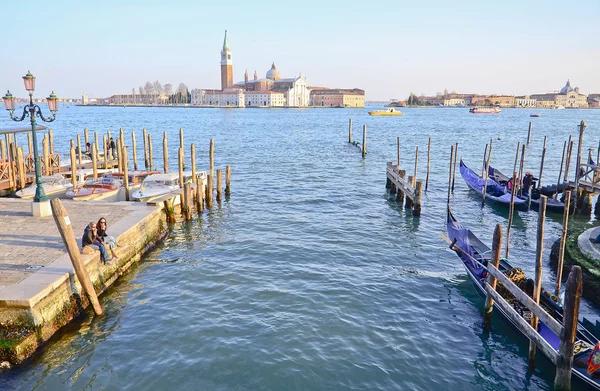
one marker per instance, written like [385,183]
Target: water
[310,276]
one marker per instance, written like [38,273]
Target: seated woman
[109,241]
[90,238]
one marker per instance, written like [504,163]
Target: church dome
[567,88]
[273,73]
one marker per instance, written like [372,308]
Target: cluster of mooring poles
[363,146]
[397,183]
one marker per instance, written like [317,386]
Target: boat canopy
[20,129]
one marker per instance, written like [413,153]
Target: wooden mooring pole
[350,130]
[487,174]
[563,240]
[398,151]
[125,171]
[86,138]
[50,141]
[578,197]
[428,163]
[106,153]
[416,163]
[409,203]
[219,185]
[529,133]
[484,160]
[537,289]
[209,191]
[165,153]
[134,150]
[511,211]
[73,167]
[450,173]
[94,162]
[194,177]
[180,166]
[539,184]
[227,181]
[61,218]
[491,280]
[150,159]
[562,163]
[418,196]
[187,200]
[211,158]
[181,144]
[79,154]
[46,158]
[399,191]
[454,169]
[364,143]
[145,137]
[521,167]
[97,145]
[568,159]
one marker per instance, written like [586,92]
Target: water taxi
[386,113]
[54,185]
[485,110]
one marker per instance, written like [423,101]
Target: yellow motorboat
[389,112]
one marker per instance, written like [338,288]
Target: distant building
[84,99]
[593,100]
[566,97]
[525,101]
[454,102]
[494,100]
[338,97]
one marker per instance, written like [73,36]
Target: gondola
[494,191]
[533,200]
[475,256]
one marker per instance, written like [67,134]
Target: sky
[387,48]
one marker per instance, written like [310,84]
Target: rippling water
[310,276]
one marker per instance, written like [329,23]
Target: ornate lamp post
[31,111]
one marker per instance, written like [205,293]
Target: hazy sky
[386,48]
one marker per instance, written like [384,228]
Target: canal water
[310,276]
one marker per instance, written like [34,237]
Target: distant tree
[182,94]
[158,90]
[149,88]
[413,100]
[168,89]
[445,93]
[487,102]
[141,90]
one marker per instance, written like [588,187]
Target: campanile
[226,65]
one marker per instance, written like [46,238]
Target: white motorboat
[157,185]
[105,188]
[54,185]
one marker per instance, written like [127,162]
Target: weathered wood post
[97,146]
[21,168]
[125,171]
[79,154]
[350,130]
[11,173]
[487,174]
[511,211]
[398,151]
[200,202]
[450,172]
[94,162]
[219,185]
[194,175]
[578,197]
[119,155]
[562,162]
[211,157]
[209,191]
[539,184]
[122,138]
[428,162]
[3,150]
[86,136]
[50,141]
[61,218]
[491,280]
[522,167]
[529,133]
[181,145]
[145,137]
[180,166]
[29,143]
[418,194]
[364,143]
[46,157]
[484,160]
[538,275]
[568,159]
[454,170]
[105,142]
[409,203]
[134,150]
[150,160]
[169,210]
[227,181]
[400,192]
[562,379]
[187,201]
[165,153]
[416,163]
[563,239]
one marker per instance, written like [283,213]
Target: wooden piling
[400,193]
[428,162]
[79,154]
[125,171]
[21,168]
[211,157]
[418,195]
[364,143]
[227,181]
[73,166]
[450,172]
[200,200]
[61,218]
[29,143]
[539,184]
[454,169]
[350,130]
[97,146]
[180,166]
[145,137]
[94,161]
[398,151]
[169,210]
[187,201]
[529,133]
[568,159]
[134,150]
[150,159]
[209,191]
[409,203]
[487,174]
[579,146]
[538,275]
[45,156]
[119,154]
[219,185]
[511,210]
[521,167]
[416,163]
[165,153]
[181,138]
[491,280]
[50,141]
[563,239]
[484,160]
[194,175]
[122,138]
[3,150]
[105,142]
[562,162]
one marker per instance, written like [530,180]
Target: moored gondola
[475,256]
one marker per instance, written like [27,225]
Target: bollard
[418,194]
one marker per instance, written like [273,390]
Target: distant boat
[559,107]
[535,115]
[485,110]
[391,112]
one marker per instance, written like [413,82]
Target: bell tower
[226,65]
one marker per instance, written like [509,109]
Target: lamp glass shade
[9,101]
[29,81]
[52,102]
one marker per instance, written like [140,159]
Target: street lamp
[31,111]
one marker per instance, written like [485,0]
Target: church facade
[270,91]
[566,97]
